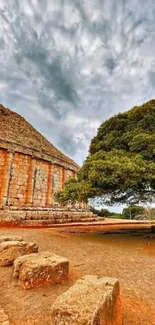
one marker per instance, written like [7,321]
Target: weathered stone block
[36,270]
[90,301]
[11,250]
[3,318]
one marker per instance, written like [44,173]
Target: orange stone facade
[32,170]
[28,179]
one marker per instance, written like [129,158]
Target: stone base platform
[44,216]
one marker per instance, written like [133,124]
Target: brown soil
[130,259]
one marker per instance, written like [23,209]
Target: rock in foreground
[11,250]
[90,301]
[36,270]
[3,318]
[10,238]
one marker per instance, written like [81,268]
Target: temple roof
[15,129]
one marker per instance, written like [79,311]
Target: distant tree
[104,213]
[101,213]
[149,212]
[132,211]
[153,213]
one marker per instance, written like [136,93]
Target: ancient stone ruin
[31,171]
[11,250]
[36,270]
[91,300]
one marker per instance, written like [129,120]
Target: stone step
[69,218]
[72,216]
[52,218]
[58,221]
[61,221]
[36,223]
[89,219]
[43,218]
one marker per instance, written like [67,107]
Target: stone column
[5,181]
[57,183]
[85,205]
[30,182]
[49,199]
[63,178]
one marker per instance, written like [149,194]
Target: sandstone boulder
[36,270]
[10,250]
[3,318]
[10,238]
[90,301]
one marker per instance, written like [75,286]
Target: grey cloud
[111,63]
[53,74]
[69,144]
[69,65]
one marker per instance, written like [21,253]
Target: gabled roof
[14,128]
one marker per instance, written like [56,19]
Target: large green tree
[120,167]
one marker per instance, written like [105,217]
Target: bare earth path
[128,258]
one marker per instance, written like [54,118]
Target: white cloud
[68,66]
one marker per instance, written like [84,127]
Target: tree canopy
[120,167]
[133,211]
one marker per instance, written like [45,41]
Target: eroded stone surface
[20,169]
[11,250]
[36,270]
[3,317]
[90,301]
[10,238]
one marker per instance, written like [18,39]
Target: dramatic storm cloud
[67,65]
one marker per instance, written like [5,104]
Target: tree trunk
[130,214]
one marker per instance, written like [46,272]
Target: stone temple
[31,171]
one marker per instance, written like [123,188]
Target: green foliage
[73,192]
[120,167]
[101,213]
[105,213]
[132,131]
[132,211]
[117,176]
[69,194]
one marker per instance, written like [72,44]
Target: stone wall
[30,181]
[18,182]
[40,184]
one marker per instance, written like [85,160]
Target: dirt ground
[131,259]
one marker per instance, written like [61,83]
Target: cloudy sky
[67,65]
